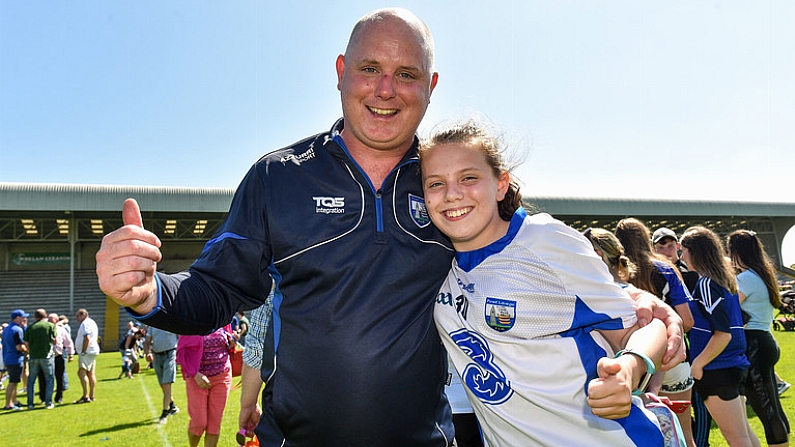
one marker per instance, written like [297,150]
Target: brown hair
[747,252]
[477,134]
[636,239]
[707,256]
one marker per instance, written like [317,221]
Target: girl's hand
[610,395]
[202,380]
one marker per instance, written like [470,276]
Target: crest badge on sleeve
[418,212]
[500,314]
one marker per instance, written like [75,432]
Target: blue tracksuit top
[352,357]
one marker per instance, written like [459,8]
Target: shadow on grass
[118,427]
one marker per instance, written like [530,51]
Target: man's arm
[250,411]
[650,307]
[251,377]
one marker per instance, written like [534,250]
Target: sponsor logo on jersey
[418,212]
[500,314]
[460,303]
[300,158]
[466,287]
[329,205]
[482,376]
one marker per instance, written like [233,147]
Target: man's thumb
[131,213]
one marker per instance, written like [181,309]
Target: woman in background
[717,340]
[758,292]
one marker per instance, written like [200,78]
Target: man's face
[385,82]
[668,247]
[80,317]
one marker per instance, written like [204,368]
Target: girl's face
[461,194]
[686,257]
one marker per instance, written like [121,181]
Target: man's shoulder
[302,151]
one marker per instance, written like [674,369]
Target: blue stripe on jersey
[467,260]
[221,237]
[638,427]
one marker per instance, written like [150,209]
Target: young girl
[758,292]
[529,314]
[717,342]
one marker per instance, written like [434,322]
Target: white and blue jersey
[519,319]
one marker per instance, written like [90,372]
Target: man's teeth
[457,213]
[383,111]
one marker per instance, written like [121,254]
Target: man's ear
[340,66]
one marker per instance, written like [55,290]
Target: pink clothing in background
[207,354]
[206,405]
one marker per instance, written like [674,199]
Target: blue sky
[677,99]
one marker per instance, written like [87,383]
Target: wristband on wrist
[650,369]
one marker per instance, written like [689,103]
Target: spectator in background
[717,340]
[87,347]
[242,328]
[14,350]
[63,321]
[666,244]
[3,374]
[40,338]
[161,351]
[208,378]
[64,349]
[250,376]
[759,297]
[128,347]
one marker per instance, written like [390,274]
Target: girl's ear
[503,182]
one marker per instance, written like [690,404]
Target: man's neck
[377,164]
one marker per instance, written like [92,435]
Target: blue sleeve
[229,275]
[677,293]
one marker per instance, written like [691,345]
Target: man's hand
[127,261]
[649,307]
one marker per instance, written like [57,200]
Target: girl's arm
[687,317]
[610,395]
[716,344]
